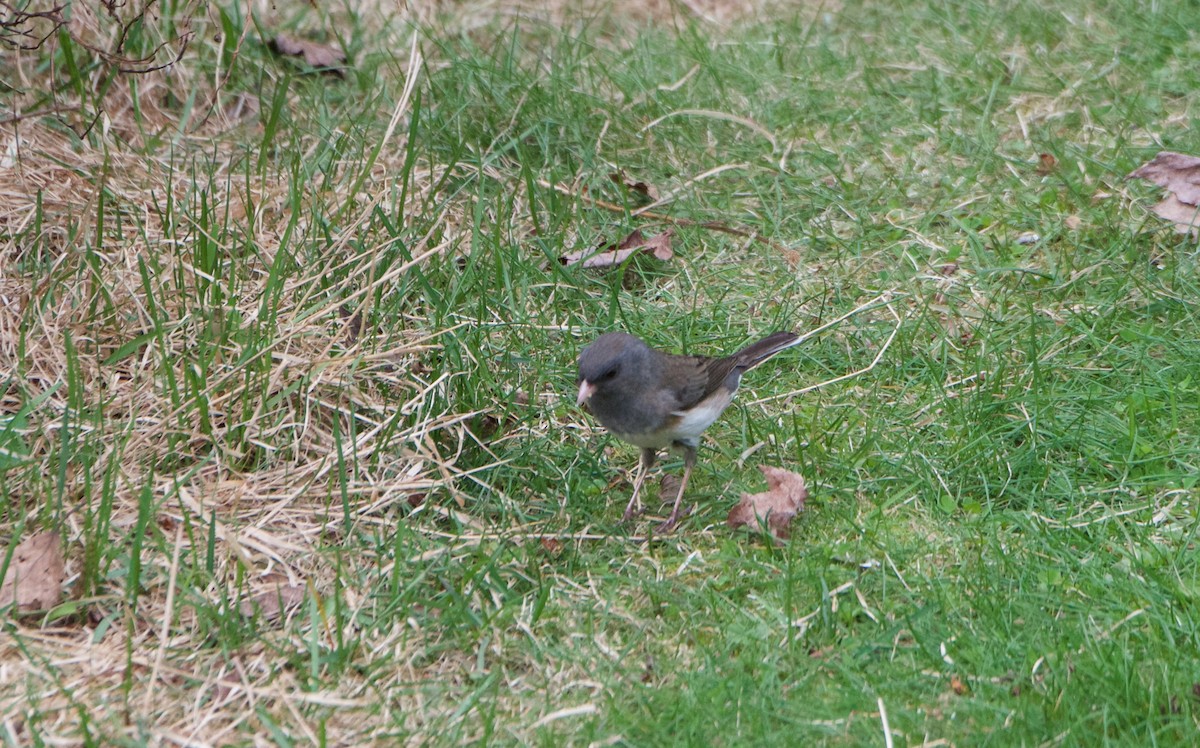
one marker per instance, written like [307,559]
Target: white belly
[695,421]
[691,424]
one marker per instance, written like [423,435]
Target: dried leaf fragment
[35,574]
[958,687]
[643,192]
[606,256]
[1176,172]
[1047,163]
[315,54]
[276,597]
[668,487]
[1185,217]
[774,509]
[1179,174]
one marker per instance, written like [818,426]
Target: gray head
[612,361]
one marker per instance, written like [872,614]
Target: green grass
[298,345]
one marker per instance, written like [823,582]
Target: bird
[656,400]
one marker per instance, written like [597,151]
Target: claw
[671,522]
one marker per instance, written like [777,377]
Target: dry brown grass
[150,667]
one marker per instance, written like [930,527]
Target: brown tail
[755,353]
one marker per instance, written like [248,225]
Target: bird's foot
[673,520]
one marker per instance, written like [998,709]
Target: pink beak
[586,389]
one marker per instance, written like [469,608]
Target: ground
[287,367]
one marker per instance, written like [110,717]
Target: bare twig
[15,23]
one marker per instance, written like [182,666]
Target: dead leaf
[317,55]
[240,107]
[1185,217]
[483,427]
[553,546]
[1176,172]
[354,323]
[668,487]
[784,498]
[1046,163]
[957,686]
[1179,174]
[35,574]
[276,596]
[648,672]
[643,192]
[1073,222]
[606,256]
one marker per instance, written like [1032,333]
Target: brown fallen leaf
[1185,217]
[648,671]
[1179,174]
[957,686]
[668,487]
[1176,172]
[784,498]
[240,107]
[354,323]
[643,192]
[1046,163]
[483,427]
[35,574]
[276,597]
[606,256]
[317,55]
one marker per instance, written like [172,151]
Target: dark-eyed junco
[655,400]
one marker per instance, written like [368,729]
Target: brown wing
[691,379]
[694,378]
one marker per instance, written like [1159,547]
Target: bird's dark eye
[609,374]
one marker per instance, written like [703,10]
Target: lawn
[288,371]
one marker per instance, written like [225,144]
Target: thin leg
[689,461]
[647,462]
